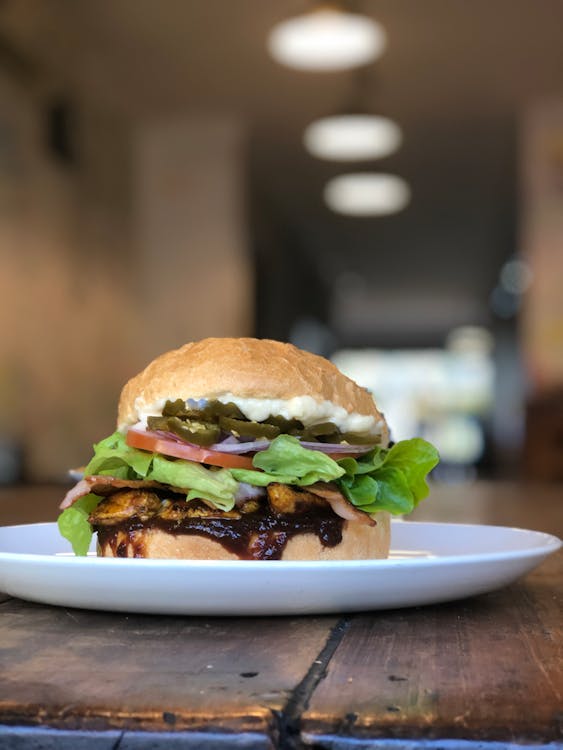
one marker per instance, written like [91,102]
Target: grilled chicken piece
[123,505]
[180,510]
[102,485]
[250,506]
[286,499]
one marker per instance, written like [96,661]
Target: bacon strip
[102,485]
[340,504]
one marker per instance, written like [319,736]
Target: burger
[241,448]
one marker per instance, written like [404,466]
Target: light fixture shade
[367,194]
[326,40]
[352,137]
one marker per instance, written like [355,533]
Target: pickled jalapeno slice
[191,430]
[353,438]
[249,429]
[175,408]
[286,426]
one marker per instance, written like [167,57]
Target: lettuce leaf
[216,485]
[391,479]
[287,462]
[415,458]
[113,457]
[73,523]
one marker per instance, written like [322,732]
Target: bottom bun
[359,542]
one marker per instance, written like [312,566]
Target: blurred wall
[194,274]
[105,262]
[61,237]
[542,318]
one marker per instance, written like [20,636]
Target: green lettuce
[113,457]
[73,523]
[287,462]
[391,479]
[215,485]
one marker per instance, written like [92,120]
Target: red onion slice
[250,447]
[261,445]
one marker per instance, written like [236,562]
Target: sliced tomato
[148,441]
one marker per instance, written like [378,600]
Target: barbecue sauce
[261,535]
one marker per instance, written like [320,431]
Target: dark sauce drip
[121,549]
[255,536]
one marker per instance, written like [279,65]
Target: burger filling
[203,467]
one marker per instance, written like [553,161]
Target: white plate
[430,563]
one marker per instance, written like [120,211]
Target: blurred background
[380,182]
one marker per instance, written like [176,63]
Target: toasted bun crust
[249,368]
[359,542]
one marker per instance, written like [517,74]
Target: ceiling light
[326,40]
[367,194]
[352,137]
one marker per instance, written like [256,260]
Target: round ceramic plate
[429,563]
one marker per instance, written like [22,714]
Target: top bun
[247,368]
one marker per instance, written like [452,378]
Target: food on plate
[245,449]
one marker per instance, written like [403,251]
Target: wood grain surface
[488,668]
[74,668]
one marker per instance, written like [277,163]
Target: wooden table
[486,669]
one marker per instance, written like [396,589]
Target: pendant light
[367,194]
[357,131]
[352,137]
[327,38]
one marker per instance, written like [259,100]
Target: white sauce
[304,408]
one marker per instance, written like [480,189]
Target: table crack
[118,741]
[289,718]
